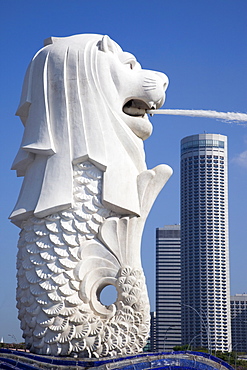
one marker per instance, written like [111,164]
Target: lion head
[83,98]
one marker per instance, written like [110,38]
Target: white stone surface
[85,197]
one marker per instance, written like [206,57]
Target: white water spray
[226,116]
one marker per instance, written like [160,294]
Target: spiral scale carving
[62,268]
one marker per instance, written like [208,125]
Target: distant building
[153,331]
[204,242]
[239,322]
[168,290]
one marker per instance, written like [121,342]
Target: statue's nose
[164,79]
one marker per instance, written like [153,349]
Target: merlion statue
[85,197]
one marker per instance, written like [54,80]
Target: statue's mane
[68,120]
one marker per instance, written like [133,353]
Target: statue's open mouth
[137,108]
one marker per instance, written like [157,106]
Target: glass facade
[168,288]
[239,322]
[204,242]
[207,143]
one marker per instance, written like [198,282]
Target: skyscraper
[239,322]
[205,299]
[153,331]
[168,288]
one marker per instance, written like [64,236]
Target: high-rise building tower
[153,331]
[205,288]
[168,288]
[239,322]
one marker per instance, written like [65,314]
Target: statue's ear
[51,40]
[106,44]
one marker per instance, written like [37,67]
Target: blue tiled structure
[182,360]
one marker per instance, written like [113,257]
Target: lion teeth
[138,108]
[152,105]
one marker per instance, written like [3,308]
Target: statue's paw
[150,183]
[162,172]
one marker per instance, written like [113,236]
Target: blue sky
[200,45]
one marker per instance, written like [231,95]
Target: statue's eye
[128,60]
[132,63]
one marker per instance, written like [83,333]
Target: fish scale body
[58,303]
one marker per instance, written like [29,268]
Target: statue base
[187,360]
